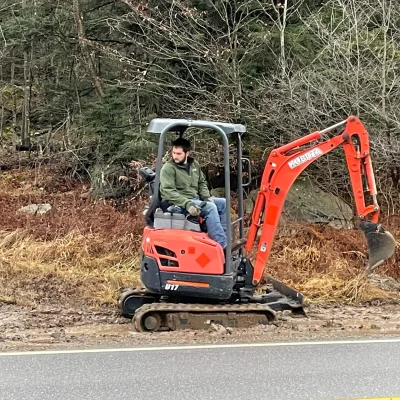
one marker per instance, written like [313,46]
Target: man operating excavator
[183,184]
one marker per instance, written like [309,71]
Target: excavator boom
[286,163]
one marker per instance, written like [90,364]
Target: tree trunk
[25,126]
[282,39]
[386,21]
[14,109]
[25,123]
[88,56]
[2,108]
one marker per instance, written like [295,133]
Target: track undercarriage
[152,312]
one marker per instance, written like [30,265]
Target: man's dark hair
[181,142]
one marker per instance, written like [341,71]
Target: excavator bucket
[381,244]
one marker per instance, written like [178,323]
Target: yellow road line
[200,346]
[375,398]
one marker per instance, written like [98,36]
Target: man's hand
[194,210]
[209,199]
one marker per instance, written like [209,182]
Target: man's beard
[180,162]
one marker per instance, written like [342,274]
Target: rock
[248,205]
[269,328]
[305,201]
[58,334]
[218,192]
[219,329]
[249,201]
[10,239]
[384,282]
[253,195]
[36,209]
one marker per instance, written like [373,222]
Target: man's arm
[204,193]
[168,188]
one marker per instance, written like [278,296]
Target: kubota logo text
[305,157]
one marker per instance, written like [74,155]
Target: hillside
[62,270]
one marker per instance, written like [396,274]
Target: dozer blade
[280,297]
[381,244]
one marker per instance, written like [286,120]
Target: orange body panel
[187,251]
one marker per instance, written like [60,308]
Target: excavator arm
[286,163]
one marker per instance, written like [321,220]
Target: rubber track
[129,291]
[198,308]
[137,290]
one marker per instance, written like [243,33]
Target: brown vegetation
[81,250]
[85,251]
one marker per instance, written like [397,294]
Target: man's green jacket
[180,183]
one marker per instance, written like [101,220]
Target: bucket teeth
[381,244]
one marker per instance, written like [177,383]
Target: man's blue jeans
[215,218]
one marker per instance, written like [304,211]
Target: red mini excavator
[188,281]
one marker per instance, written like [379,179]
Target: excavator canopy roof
[158,125]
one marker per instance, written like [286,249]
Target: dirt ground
[23,328]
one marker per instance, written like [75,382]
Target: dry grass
[86,251]
[74,267]
[327,265]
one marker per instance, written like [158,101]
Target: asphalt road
[283,371]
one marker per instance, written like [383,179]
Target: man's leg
[220,202]
[214,228]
